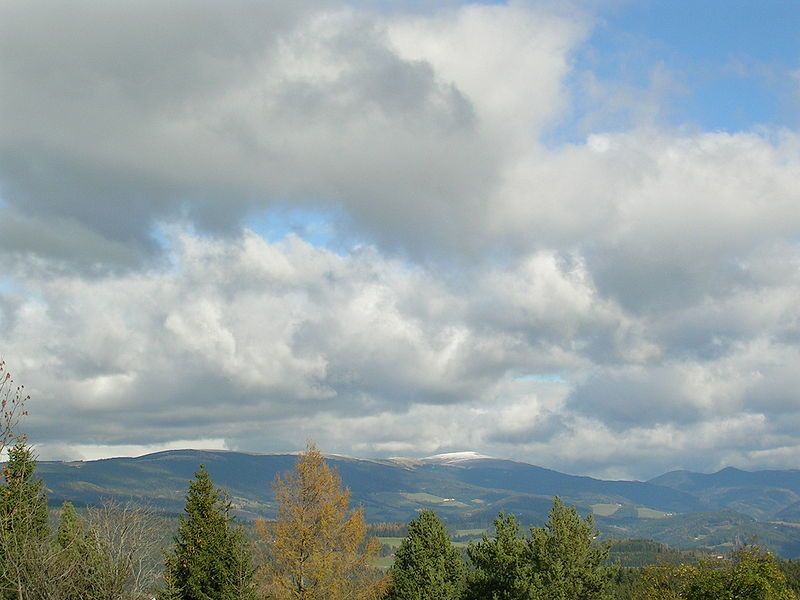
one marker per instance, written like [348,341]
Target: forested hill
[760,494]
[682,508]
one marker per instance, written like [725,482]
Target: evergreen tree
[23,504]
[24,533]
[501,568]
[77,554]
[70,526]
[566,563]
[557,562]
[426,566]
[210,559]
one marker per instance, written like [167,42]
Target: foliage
[317,547]
[22,499]
[501,566]
[557,562]
[567,563]
[100,557]
[426,565]
[77,550]
[750,574]
[791,570]
[211,557]
[641,553]
[24,531]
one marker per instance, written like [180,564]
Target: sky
[560,232]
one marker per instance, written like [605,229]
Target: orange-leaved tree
[318,548]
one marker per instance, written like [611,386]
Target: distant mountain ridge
[759,494]
[680,508]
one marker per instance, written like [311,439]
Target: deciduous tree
[318,549]
[750,574]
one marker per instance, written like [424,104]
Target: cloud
[653,268]
[245,332]
[206,112]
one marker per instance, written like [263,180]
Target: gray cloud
[618,306]
[146,113]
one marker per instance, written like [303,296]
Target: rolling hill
[759,494]
[680,508]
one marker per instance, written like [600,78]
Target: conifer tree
[559,561]
[427,566]
[211,558]
[24,532]
[70,526]
[566,562]
[318,547]
[76,552]
[23,504]
[501,569]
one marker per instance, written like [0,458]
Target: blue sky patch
[713,65]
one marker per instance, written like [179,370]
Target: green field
[476,533]
[392,542]
[605,510]
[425,498]
[649,513]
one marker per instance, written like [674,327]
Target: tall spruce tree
[23,504]
[24,533]
[501,566]
[566,562]
[427,566]
[76,552]
[211,558]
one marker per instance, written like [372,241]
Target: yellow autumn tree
[318,548]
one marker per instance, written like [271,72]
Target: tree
[567,565]
[77,553]
[317,547]
[24,533]
[750,574]
[22,499]
[557,562]
[12,406]
[211,558]
[31,566]
[105,556]
[122,540]
[501,569]
[426,566]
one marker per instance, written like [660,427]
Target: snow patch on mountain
[451,457]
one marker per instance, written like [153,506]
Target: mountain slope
[462,487]
[759,494]
[530,479]
[680,508]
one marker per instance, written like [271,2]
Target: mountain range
[680,508]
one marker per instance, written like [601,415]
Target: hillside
[759,494]
[681,508]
